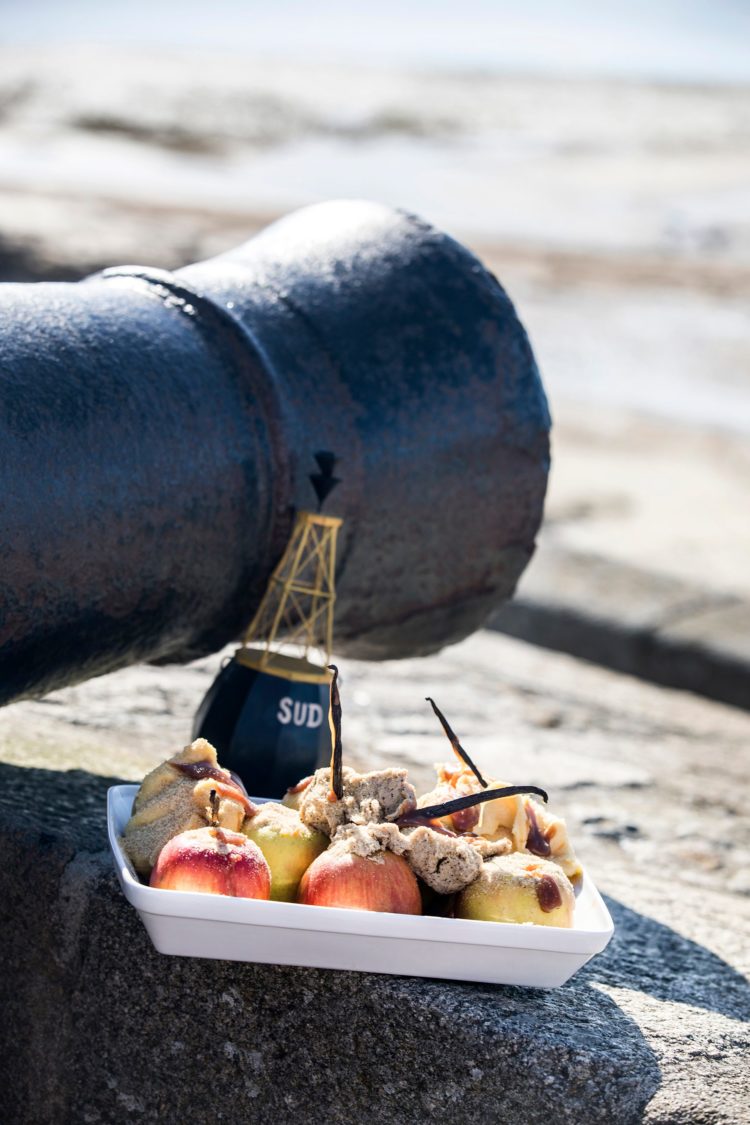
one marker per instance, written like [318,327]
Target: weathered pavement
[100,1028]
[641,564]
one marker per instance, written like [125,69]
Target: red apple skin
[212,861]
[338,878]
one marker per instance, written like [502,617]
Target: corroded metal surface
[159,431]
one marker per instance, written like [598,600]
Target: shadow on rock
[650,957]
[68,804]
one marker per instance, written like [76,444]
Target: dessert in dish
[176,797]
[366,798]
[513,823]
[471,847]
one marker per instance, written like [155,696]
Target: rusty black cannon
[158,432]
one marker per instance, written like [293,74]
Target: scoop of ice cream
[531,827]
[382,795]
[519,888]
[176,797]
[454,781]
[561,849]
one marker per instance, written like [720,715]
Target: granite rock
[100,1028]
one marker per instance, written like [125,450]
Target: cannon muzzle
[159,431]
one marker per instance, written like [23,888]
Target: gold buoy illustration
[267,710]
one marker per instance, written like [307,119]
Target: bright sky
[663,39]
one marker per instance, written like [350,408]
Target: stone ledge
[100,1028]
[630,619]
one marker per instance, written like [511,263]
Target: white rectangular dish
[282,933]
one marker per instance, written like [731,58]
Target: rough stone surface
[100,1028]
[642,559]
[635,620]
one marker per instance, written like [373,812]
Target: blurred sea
[674,40]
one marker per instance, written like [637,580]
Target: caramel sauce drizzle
[303,784]
[198,770]
[548,894]
[465,820]
[227,785]
[536,842]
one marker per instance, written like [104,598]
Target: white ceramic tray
[282,933]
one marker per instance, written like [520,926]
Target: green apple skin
[511,904]
[289,847]
[507,888]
